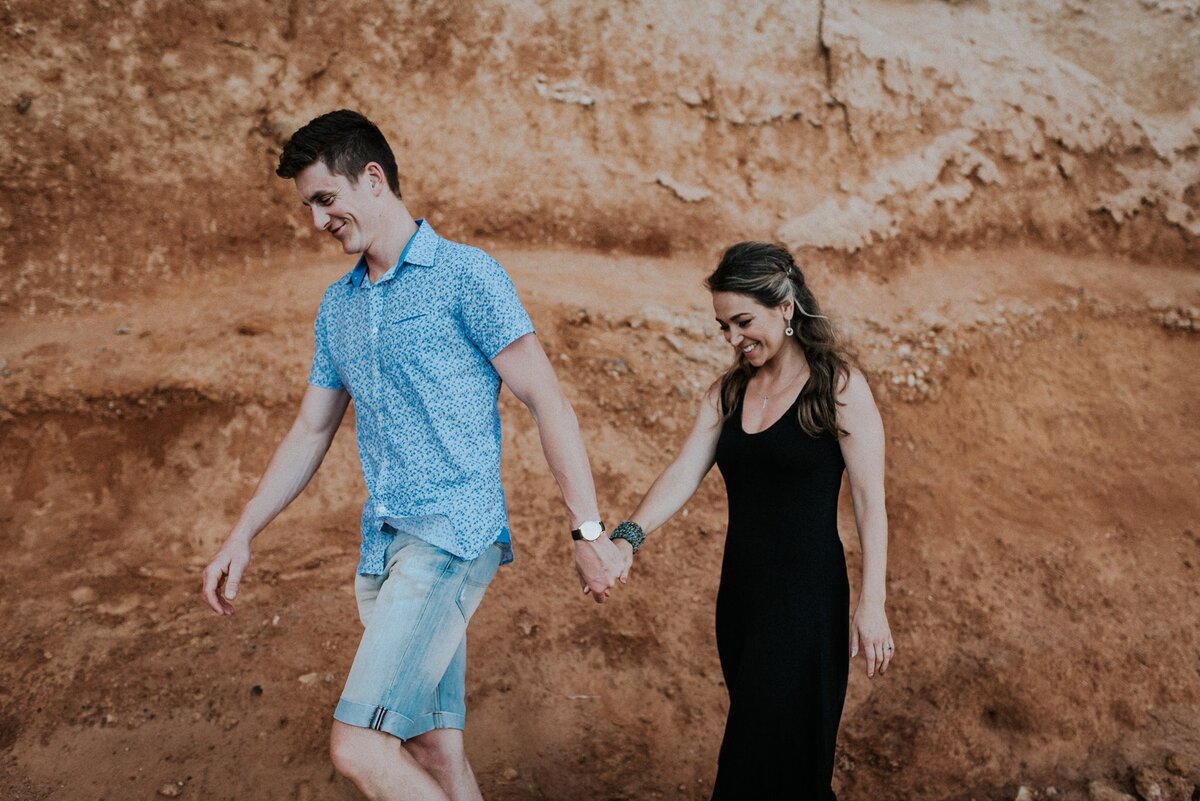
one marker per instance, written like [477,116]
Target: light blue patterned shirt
[414,351]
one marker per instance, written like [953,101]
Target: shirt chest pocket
[418,337]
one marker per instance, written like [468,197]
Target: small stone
[1146,786]
[24,103]
[1180,765]
[1159,304]
[1102,791]
[510,774]
[256,690]
[122,330]
[309,678]
[1024,794]
[690,95]
[170,790]
[1157,784]
[83,595]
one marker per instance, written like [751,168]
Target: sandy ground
[999,203]
[1042,495]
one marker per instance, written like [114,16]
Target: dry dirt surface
[999,203]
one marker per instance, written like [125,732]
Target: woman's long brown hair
[768,274]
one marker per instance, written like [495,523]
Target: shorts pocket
[478,575]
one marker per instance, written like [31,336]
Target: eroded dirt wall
[139,137]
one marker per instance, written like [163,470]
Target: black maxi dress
[782,612]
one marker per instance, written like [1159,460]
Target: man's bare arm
[294,463]
[524,367]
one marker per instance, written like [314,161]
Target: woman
[781,424]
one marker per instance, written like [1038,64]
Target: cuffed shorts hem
[395,723]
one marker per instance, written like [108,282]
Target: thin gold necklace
[766,398]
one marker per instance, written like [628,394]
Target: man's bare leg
[381,767]
[442,753]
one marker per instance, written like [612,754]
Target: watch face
[591,530]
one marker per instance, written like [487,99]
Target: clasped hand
[600,565]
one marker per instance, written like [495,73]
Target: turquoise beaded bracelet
[631,532]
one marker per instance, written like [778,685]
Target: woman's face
[752,329]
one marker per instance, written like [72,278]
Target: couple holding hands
[420,334]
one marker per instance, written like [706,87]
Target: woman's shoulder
[712,395]
[852,385]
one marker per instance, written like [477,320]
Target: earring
[788,331]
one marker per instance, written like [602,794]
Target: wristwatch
[589,530]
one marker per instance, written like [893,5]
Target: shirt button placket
[373,349]
[380,394]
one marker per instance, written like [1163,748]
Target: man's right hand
[224,573]
[599,564]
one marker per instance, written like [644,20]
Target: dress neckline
[742,409]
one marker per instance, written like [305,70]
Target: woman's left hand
[870,629]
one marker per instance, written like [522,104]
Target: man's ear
[375,177]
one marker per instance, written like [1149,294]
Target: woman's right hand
[626,558]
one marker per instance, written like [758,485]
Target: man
[420,334]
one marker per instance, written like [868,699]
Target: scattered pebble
[1103,791]
[1179,319]
[83,595]
[256,689]
[171,790]
[510,774]
[1180,765]
[1024,794]
[309,678]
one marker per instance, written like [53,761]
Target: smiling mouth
[336,231]
[747,350]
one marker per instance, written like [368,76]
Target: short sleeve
[323,372]
[490,311]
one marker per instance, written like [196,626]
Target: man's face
[347,210]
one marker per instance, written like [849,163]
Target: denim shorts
[409,675]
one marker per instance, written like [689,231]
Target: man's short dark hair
[345,141]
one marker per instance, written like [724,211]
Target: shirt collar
[419,252]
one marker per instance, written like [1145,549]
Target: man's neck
[397,227]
